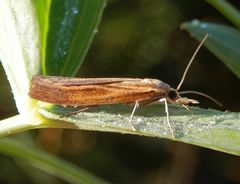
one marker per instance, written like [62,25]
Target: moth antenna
[202,94]
[190,62]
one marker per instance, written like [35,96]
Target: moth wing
[96,81]
[71,81]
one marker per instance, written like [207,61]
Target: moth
[87,92]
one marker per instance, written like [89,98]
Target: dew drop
[195,22]
[139,120]
[95,31]
[74,10]
[203,25]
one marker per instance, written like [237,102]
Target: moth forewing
[92,92]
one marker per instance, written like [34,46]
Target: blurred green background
[142,38]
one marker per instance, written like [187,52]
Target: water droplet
[195,22]
[139,120]
[74,10]
[211,122]
[203,25]
[95,31]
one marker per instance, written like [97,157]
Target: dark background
[142,38]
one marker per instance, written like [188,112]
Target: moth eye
[172,94]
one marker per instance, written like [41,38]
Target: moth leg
[187,108]
[164,100]
[131,117]
[74,112]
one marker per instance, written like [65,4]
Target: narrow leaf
[72,26]
[223,41]
[207,128]
[42,8]
[46,162]
[227,10]
[19,47]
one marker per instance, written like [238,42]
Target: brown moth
[102,91]
[86,92]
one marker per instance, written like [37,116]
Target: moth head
[174,97]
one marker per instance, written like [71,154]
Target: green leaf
[207,128]
[42,8]
[72,26]
[203,127]
[19,47]
[46,162]
[227,10]
[223,41]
